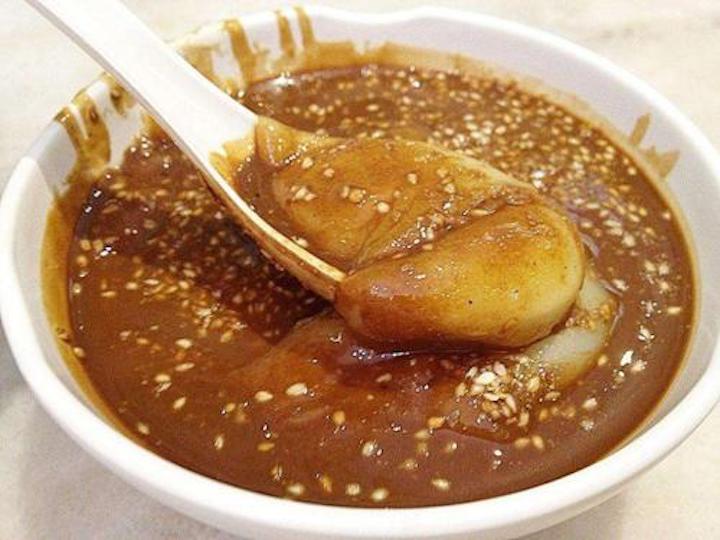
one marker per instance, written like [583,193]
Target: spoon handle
[197,115]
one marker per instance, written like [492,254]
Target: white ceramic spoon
[197,115]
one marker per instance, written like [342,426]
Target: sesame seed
[179,403]
[644,334]
[295,489]
[276,473]
[533,385]
[450,447]
[325,483]
[229,407]
[441,483]
[486,377]
[265,446]
[355,195]
[626,358]
[307,162]
[500,369]
[184,343]
[620,285]
[300,241]
[263,396]
[185,366]
[353,489]
[143,428]
[370,449]
[628,240]
[219,441]
[511,403]
[638,366]
[382,207]
[379,494]
[297,389]
[338,418]
[538,442]
[590,404]
[521,442]
[162,378]
[449,188]
[303,193]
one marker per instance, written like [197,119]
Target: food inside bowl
[439,249]
[218,360]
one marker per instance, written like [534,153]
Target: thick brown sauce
[186,331]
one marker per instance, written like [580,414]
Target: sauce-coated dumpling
[440,247]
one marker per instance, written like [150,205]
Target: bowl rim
[195,493]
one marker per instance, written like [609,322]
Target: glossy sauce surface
[222,363]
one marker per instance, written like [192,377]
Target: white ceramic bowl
[613,93]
